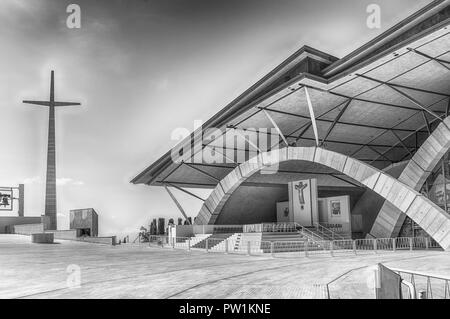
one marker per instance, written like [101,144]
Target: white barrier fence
[423,285]
[258,247]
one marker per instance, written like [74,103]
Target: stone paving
[130,271]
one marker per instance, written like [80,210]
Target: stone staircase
[213,241]
[283,239]
[234,241]
[194,240]
[255,243]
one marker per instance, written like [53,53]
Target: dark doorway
[84,232]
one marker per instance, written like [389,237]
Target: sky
[142,68]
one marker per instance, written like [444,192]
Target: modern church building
[358,144]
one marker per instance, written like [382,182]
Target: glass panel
[437,189]
[436,194]
[438,184]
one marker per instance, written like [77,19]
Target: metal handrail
[419,273]
[411,288]
[428,294]
[324,229]
[318,229]
[325,236]
[310,235]
[310,243]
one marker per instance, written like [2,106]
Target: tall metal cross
[50,185]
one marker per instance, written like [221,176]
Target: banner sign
[334,213]
[283,214]
[6,198]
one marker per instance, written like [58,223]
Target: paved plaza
[126,271]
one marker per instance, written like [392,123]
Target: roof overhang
[385,58]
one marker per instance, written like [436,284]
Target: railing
[409,287]
[227,229]
[286,227]
[139,238]
[158,240]
[424,285]
[328,233]
[312,236]
[270,227]
[209,229]
[305,246]
[320,233]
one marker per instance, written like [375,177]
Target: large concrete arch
[424,212]
[390,219]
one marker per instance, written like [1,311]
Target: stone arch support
[390,219]
[428,215]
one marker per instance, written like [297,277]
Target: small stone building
[85,221]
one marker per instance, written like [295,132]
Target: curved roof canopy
[378,104]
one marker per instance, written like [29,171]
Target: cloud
[67,181]
[59,181]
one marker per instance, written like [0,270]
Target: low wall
[202,229]
[209,229]
[27,229]
[64,234]
[184,231]
[99,240]
[42,238]
[6,222]
[71,234]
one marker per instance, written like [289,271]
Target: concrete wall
[251,205]
[99,240]
[64,234]
[370,203]
[46,221]
[355,193]
[184,231]
[368,207]
[8,221]
[202,229]
[84,218]
[27,229]
[42,238]
[71,234]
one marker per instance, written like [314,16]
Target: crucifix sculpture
[50,184]
[300,187]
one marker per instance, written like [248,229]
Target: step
[194,240]
[213,240]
